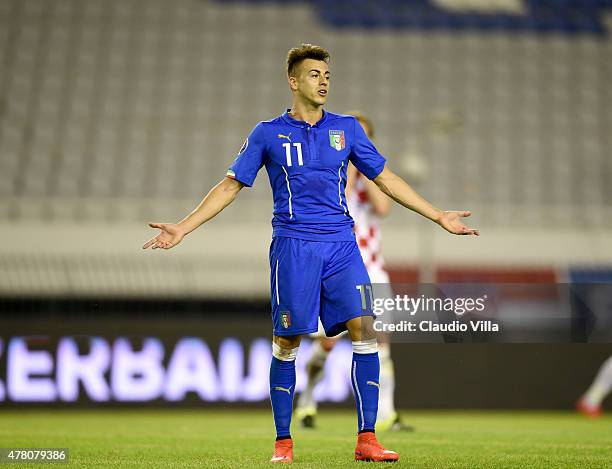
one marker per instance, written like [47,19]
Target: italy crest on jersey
[336,139]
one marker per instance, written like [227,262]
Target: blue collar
[290,120]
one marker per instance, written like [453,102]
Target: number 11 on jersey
[298,147]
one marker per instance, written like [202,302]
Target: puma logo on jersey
[288,137]
[280,388]
[373,383]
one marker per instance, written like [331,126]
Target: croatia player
[367,205]
[316,267]
[590,403]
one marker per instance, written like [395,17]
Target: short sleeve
[250,159]
[364,154]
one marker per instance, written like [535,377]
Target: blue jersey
[307,166]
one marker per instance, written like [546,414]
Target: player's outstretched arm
[380,202]
[399,190]
[216,200]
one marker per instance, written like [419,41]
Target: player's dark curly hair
[306,51]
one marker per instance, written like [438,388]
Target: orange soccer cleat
[590,411]
[283,451]
[369,449]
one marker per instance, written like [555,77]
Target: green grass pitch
[169,438]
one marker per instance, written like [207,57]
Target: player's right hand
[171,234]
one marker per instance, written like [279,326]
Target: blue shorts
[312,279]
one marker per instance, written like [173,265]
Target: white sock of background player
[602,384]
[315,372]
[386,402]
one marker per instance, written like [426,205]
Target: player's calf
[365,372]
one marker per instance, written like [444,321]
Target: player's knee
[361,328]
[285,348]
[287,341]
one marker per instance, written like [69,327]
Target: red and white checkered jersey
[367,230]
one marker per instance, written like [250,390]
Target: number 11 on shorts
[365,291]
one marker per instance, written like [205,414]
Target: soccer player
[367,205]
[590,403]
[316,267]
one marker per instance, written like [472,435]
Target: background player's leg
[307,405]
[599,389]
[365,371]
[282,382]
[386,406]
[388,417]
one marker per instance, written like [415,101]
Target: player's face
[312,82]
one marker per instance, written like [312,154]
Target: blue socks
[365,371]
[282,386]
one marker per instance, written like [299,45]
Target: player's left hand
[450,220]
[170,235]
